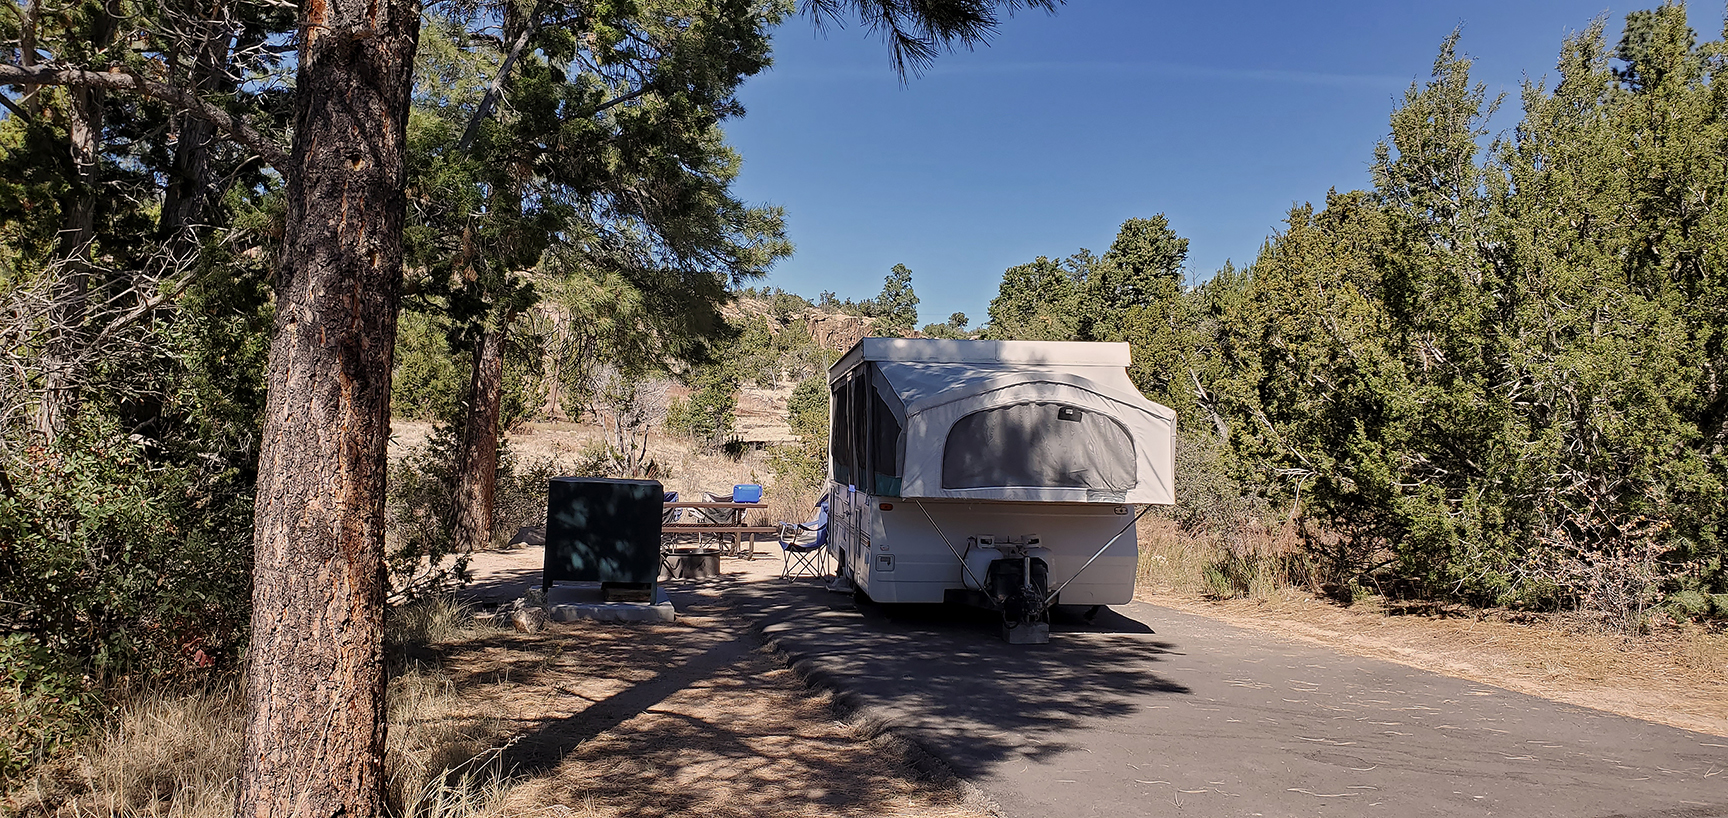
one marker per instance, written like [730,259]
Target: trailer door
[845,502]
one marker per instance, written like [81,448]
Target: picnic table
[736,527]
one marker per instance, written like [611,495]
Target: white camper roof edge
[935,350]
[1008,396]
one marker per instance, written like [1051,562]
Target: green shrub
[428,382]
[807,411]
[115,569]
[125,565]
[708,415]
[805,463]
[1208,498]
[420,512]
[798,466]
[45,702]
[1690,604]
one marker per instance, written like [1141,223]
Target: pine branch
[19,112]
[232,124]
[619,100]
[497,85]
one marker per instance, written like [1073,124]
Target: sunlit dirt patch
[685,718]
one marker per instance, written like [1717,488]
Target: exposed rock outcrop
[836,330]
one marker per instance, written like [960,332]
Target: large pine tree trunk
[315,730]
[478,474]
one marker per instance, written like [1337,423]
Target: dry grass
[1256,565]
[1707,654]
[684,470]
[166,755]
[580,720]
[442,751]
[177,755]
[1171,562]
[790,503]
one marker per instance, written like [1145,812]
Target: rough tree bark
[478,473]
[315,687]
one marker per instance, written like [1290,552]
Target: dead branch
[113,80]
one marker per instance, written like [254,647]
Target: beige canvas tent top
[1049,421]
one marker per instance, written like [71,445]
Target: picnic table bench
[737,530]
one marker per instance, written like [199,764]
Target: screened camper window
[855,398]
[1039,445]
[839,433]
[884,448]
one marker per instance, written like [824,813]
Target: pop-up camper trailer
[1002,473]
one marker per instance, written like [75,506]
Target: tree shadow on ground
[655,708]
[944,671]
[500,586]
[688,718]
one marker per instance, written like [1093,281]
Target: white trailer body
[947,455]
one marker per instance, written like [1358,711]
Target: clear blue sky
[1220,115]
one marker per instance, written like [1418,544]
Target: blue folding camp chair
[806,546]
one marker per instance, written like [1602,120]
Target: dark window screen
[1038,445]
[839,434]
[884,447]
[855,390]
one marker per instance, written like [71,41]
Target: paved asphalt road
[1154,712]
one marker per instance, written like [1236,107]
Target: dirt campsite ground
[694,717]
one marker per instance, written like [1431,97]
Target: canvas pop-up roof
[1051,421]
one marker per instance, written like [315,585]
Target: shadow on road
[945,671]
